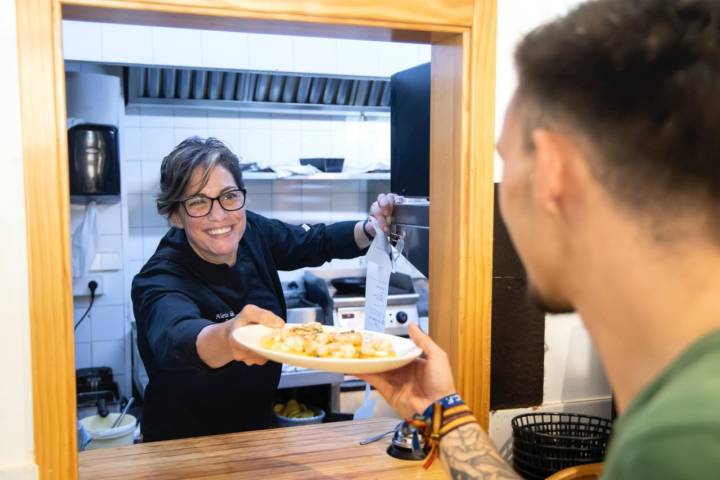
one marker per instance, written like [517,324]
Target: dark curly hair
[640,81]
[178,166]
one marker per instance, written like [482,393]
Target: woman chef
[214,271]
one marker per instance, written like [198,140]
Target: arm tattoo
[468,453]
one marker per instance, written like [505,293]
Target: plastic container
[330,165]
[103,436]
[544,443]
[283,421]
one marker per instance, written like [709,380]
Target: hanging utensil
[124,411]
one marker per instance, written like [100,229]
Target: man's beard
[533,296]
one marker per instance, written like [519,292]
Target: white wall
[16,440]
[574,379]
[97,42]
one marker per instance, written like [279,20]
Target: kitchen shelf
[317,176]
[304,377]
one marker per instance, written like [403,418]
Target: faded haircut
[639,80]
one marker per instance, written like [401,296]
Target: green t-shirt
[672,429]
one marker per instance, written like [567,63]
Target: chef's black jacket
[177,294]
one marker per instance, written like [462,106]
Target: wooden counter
[325,451]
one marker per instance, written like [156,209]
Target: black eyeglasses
[201,205]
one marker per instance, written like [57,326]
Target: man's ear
[552,153]
[175,219]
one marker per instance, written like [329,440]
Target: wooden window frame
[463,38]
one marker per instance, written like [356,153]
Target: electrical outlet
[80,285]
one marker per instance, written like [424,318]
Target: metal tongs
[396,243]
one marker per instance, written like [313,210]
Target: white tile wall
[256,146]
[83,332]
[130,139]
[150,216]
[229,136]
[223,120]
[83,355]
[75,40]
[271,52]
[108,323]
[109,219]
[109,243]
[196,119]
[134,206]
[177,46]
[121,43]
[134,244]
[286,147]
[155,143]
[153,116]
[132,175]
[225,49]
[361,57]
[317,55]
[150,171]
[116,43]
[110,354]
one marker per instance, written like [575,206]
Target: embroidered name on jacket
[224,315]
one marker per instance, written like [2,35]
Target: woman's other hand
[382,210]
[217,347]
[412,388]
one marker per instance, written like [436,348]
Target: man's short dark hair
[178,166]
[640,80]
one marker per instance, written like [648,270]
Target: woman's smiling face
[214,237]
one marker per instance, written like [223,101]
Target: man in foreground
[611,194]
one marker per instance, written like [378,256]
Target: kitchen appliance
[410,132]
[410,161]
[260,91]
[94,163]
[96,390]
[341,295]
[411,221]
[299,308]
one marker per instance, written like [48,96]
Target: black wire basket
[544,443]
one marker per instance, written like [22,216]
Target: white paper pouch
[379,267]
[84,242]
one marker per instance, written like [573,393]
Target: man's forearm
[468,453]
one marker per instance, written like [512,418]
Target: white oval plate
[406,351]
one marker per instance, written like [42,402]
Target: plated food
[329,348]
[312,340]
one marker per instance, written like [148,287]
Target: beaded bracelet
[442,417]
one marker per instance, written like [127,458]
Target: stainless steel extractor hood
[259,91]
